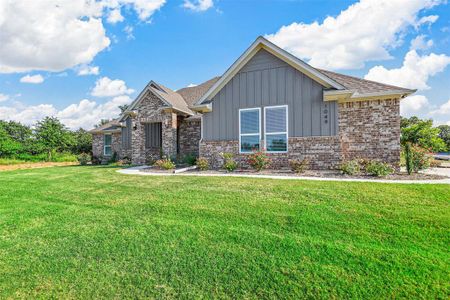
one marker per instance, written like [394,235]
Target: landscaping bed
[317,173]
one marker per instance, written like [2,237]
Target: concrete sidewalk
[436,171]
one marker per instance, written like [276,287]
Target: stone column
[169,134]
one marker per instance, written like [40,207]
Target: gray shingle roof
[362,86]
[110,126]
[173,98]
[192,94]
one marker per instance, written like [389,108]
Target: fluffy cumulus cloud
[443,110]
[53,35]
[36,79]
[198,5]
[421,43]
[414,73]
[414,105]
[88,70]
[105,87]
[84,114]
[365,31]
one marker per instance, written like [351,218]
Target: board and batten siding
[266,81]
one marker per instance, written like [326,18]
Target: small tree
[444,134]
[51,135]
[421,133]
[82,141]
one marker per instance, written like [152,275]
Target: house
[268,99]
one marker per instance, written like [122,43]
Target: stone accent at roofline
[190,134]
[323,152]
[370,129]
[151,109]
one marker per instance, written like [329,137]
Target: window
[249,129]
[126,134]
[107,139]
[153,135]
[276,128]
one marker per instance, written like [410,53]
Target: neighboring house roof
[192,94]
[363,87]
[111,126]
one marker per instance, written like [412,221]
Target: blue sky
[78,61]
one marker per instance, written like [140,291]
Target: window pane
[250,121]
[249,143]
[276,142]
[276,119]
[107,150]
[108,140]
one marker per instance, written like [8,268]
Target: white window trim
[104,145]
[249,134]
[274,133]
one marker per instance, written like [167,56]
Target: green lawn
[89,232]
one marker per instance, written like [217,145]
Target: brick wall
[190,133]
[370,129]
[98,144]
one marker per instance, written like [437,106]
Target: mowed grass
[89,232]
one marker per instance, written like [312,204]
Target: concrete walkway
[437,171]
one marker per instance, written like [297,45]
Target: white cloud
[84,114]
[365,31]
[192,85]
[427,20]
[129,31]
[49,35]
[198,5]
[32,79]
[413,105]
[105,87]
[56,35]
[3,97]
[420,43]
[115,16]
[88,70]
[443,109]
[414,73]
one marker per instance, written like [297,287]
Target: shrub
[416,158]
[298,165]
[378,168]
[165,164]
[202,164]
[113,158]
[258,160]
[64,157]
[351,167]
[124,161]
[229,163]
[84,158]
[189,159]
[97,160]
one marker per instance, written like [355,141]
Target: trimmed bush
[229,163]
[165,164]
[351,167]
[189,159]
[298,165]
[202,164]
[258,160]
[84,158]
[379,169]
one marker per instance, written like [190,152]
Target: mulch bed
[325,174]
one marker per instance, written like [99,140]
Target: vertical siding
[264,81]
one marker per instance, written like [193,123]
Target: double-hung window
[249,129]
[276,128]
[107,140]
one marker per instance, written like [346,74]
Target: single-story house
[270,100]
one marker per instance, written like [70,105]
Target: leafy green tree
[82,142]
[8,146]
[444,134]
[123,108]
[52,136]
[422,133]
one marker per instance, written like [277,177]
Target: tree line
[47,138]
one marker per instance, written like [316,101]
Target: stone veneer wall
[370,129]
[190,134]
[151,109]
[367,129]
[98,143]
[323,152]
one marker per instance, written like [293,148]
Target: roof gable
[262,43]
